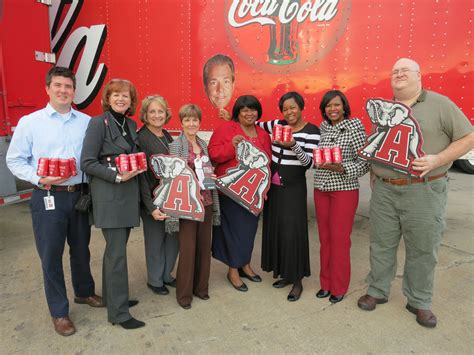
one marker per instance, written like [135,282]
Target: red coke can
[73,166]
[43,166]
[286,134]
[327,156]
[64,170]
[53,168]
[117,163]
[132,158]
[317,156]
[336,155]
[124,163]
[142,163]
[277,132]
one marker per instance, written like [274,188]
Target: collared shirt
[46,134]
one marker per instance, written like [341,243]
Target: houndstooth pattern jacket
[350,136]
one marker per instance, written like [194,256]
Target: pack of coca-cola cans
[131,162]
[327,155]
[282,133]
[56,167]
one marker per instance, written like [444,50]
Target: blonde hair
[190,110]
[147,102]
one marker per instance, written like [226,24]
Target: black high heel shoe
[335,299]
[242,288]
[322,293]
[281,283]
[255,278]
[131,323]
[295,293]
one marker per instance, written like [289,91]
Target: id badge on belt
[49,202]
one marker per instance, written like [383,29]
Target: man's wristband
[118,179]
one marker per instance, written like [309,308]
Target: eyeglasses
[402,71]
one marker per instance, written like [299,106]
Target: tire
[466,165]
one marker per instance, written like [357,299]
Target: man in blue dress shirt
[56,131]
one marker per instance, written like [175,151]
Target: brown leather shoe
[424,317]
[93,301]
[64,326]
[368,303]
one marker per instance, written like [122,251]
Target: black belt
[60,188]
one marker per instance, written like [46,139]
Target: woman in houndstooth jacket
[336,194]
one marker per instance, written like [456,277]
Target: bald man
[414,207]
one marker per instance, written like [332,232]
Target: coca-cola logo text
[286,10]
[285,36]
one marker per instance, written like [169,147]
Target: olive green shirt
[441,123]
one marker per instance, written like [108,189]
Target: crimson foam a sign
[178,193]
[397,138]
[249,181]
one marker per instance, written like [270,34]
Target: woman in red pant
[336,194]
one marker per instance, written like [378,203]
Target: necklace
[122,126]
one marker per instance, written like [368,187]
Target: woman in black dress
[285,247]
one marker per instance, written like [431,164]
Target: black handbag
[85,200]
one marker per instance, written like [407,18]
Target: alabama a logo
[178,193]
[397,138]
[249,181]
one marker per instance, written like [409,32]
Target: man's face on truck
[220,85]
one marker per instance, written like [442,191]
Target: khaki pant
[417,212]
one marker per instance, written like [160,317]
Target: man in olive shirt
[414,207]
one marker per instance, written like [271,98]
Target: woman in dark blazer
[115,195]
[161,248]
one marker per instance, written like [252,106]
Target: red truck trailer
[162,46]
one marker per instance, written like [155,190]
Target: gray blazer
[113,205]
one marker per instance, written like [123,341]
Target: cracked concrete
[259,321]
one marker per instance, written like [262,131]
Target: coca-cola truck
[162,46]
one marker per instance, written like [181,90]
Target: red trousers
[335,213]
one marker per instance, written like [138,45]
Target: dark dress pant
[115,274]
[161,250]
[52,229]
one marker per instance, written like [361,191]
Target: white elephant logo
[250,160]
[397,139]
[169,168]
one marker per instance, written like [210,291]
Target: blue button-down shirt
[46,134]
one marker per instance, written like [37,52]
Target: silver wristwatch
[118,179]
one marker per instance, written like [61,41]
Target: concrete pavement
[259,321]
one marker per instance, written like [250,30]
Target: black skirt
[285,246]
[232,241]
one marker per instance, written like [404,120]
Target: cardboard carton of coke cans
[131,162]
[56,167]
[282,133]
[327,155]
